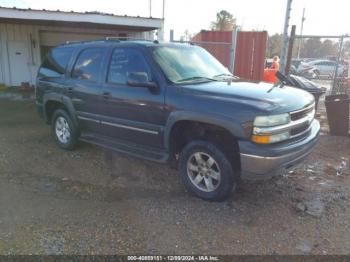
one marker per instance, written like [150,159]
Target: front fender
[218,120]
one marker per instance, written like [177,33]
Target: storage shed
[26,35]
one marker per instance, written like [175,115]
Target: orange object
[270,75]
[275,65]
[260,139]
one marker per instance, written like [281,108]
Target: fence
[324,59]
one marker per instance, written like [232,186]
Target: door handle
[106,95]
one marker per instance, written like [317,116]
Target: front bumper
[269,159]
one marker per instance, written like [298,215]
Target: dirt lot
[93,201]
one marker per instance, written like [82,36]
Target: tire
[197,171]
[64,131]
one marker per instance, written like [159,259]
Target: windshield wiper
[195,78]
[230,76]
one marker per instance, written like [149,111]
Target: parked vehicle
[176,104]
[303,83]
[308,72]
[322,67]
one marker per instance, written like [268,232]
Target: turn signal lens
[260,139]
[271,138]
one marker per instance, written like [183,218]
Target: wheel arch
[210,127]
[53,101]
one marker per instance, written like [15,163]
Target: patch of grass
[3,87]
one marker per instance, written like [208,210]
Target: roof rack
[125,38]
[109,38]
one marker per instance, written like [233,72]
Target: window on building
[125,61]
[55,62]
[88,65]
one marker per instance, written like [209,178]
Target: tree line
[309,48]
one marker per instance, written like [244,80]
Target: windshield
[189,64]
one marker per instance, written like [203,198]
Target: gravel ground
[93,201]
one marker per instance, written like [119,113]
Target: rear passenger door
[85,87]
[133,114]
[51,75]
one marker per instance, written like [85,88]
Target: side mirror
[140,79]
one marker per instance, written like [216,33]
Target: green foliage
[315,48]
[224,21]
[274,45]
[310,48]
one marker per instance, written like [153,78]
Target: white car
[322,67]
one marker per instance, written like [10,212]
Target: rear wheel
[64,131]
[206,171]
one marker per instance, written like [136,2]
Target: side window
[88,64]
[125,61]
[55,62]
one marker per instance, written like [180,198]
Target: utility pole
[285,36]
[163,15]
[301,32]
[150,8]
[290,50]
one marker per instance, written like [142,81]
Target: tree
[186,36]
[328,48]
[274,45]
[224,22]
[311,48]
[346,50]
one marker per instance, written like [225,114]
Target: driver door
[132,114]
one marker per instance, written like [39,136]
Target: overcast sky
[322,17]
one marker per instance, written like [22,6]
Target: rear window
[55,62]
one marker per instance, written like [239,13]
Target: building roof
[64,18]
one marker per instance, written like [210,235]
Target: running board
[127,148]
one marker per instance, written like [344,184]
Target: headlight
[273,120]
[264,130]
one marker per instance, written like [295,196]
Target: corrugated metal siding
[221,50]
[249,54]
[22,32]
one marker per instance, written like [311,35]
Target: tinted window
[125,61]
[88,64]
[55,62]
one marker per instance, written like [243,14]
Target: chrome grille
[302,119]
[295,115]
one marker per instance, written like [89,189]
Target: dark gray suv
[176,104]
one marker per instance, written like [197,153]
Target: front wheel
[206,171]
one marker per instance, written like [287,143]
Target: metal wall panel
[249,53]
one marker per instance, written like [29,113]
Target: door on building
[18,60]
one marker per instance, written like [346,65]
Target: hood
[262,96]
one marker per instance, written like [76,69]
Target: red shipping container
[249,54]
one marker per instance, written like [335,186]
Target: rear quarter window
[55,63]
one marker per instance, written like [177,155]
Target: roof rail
[126,38]
[76,42]
[108,38]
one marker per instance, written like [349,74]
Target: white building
[26,35]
